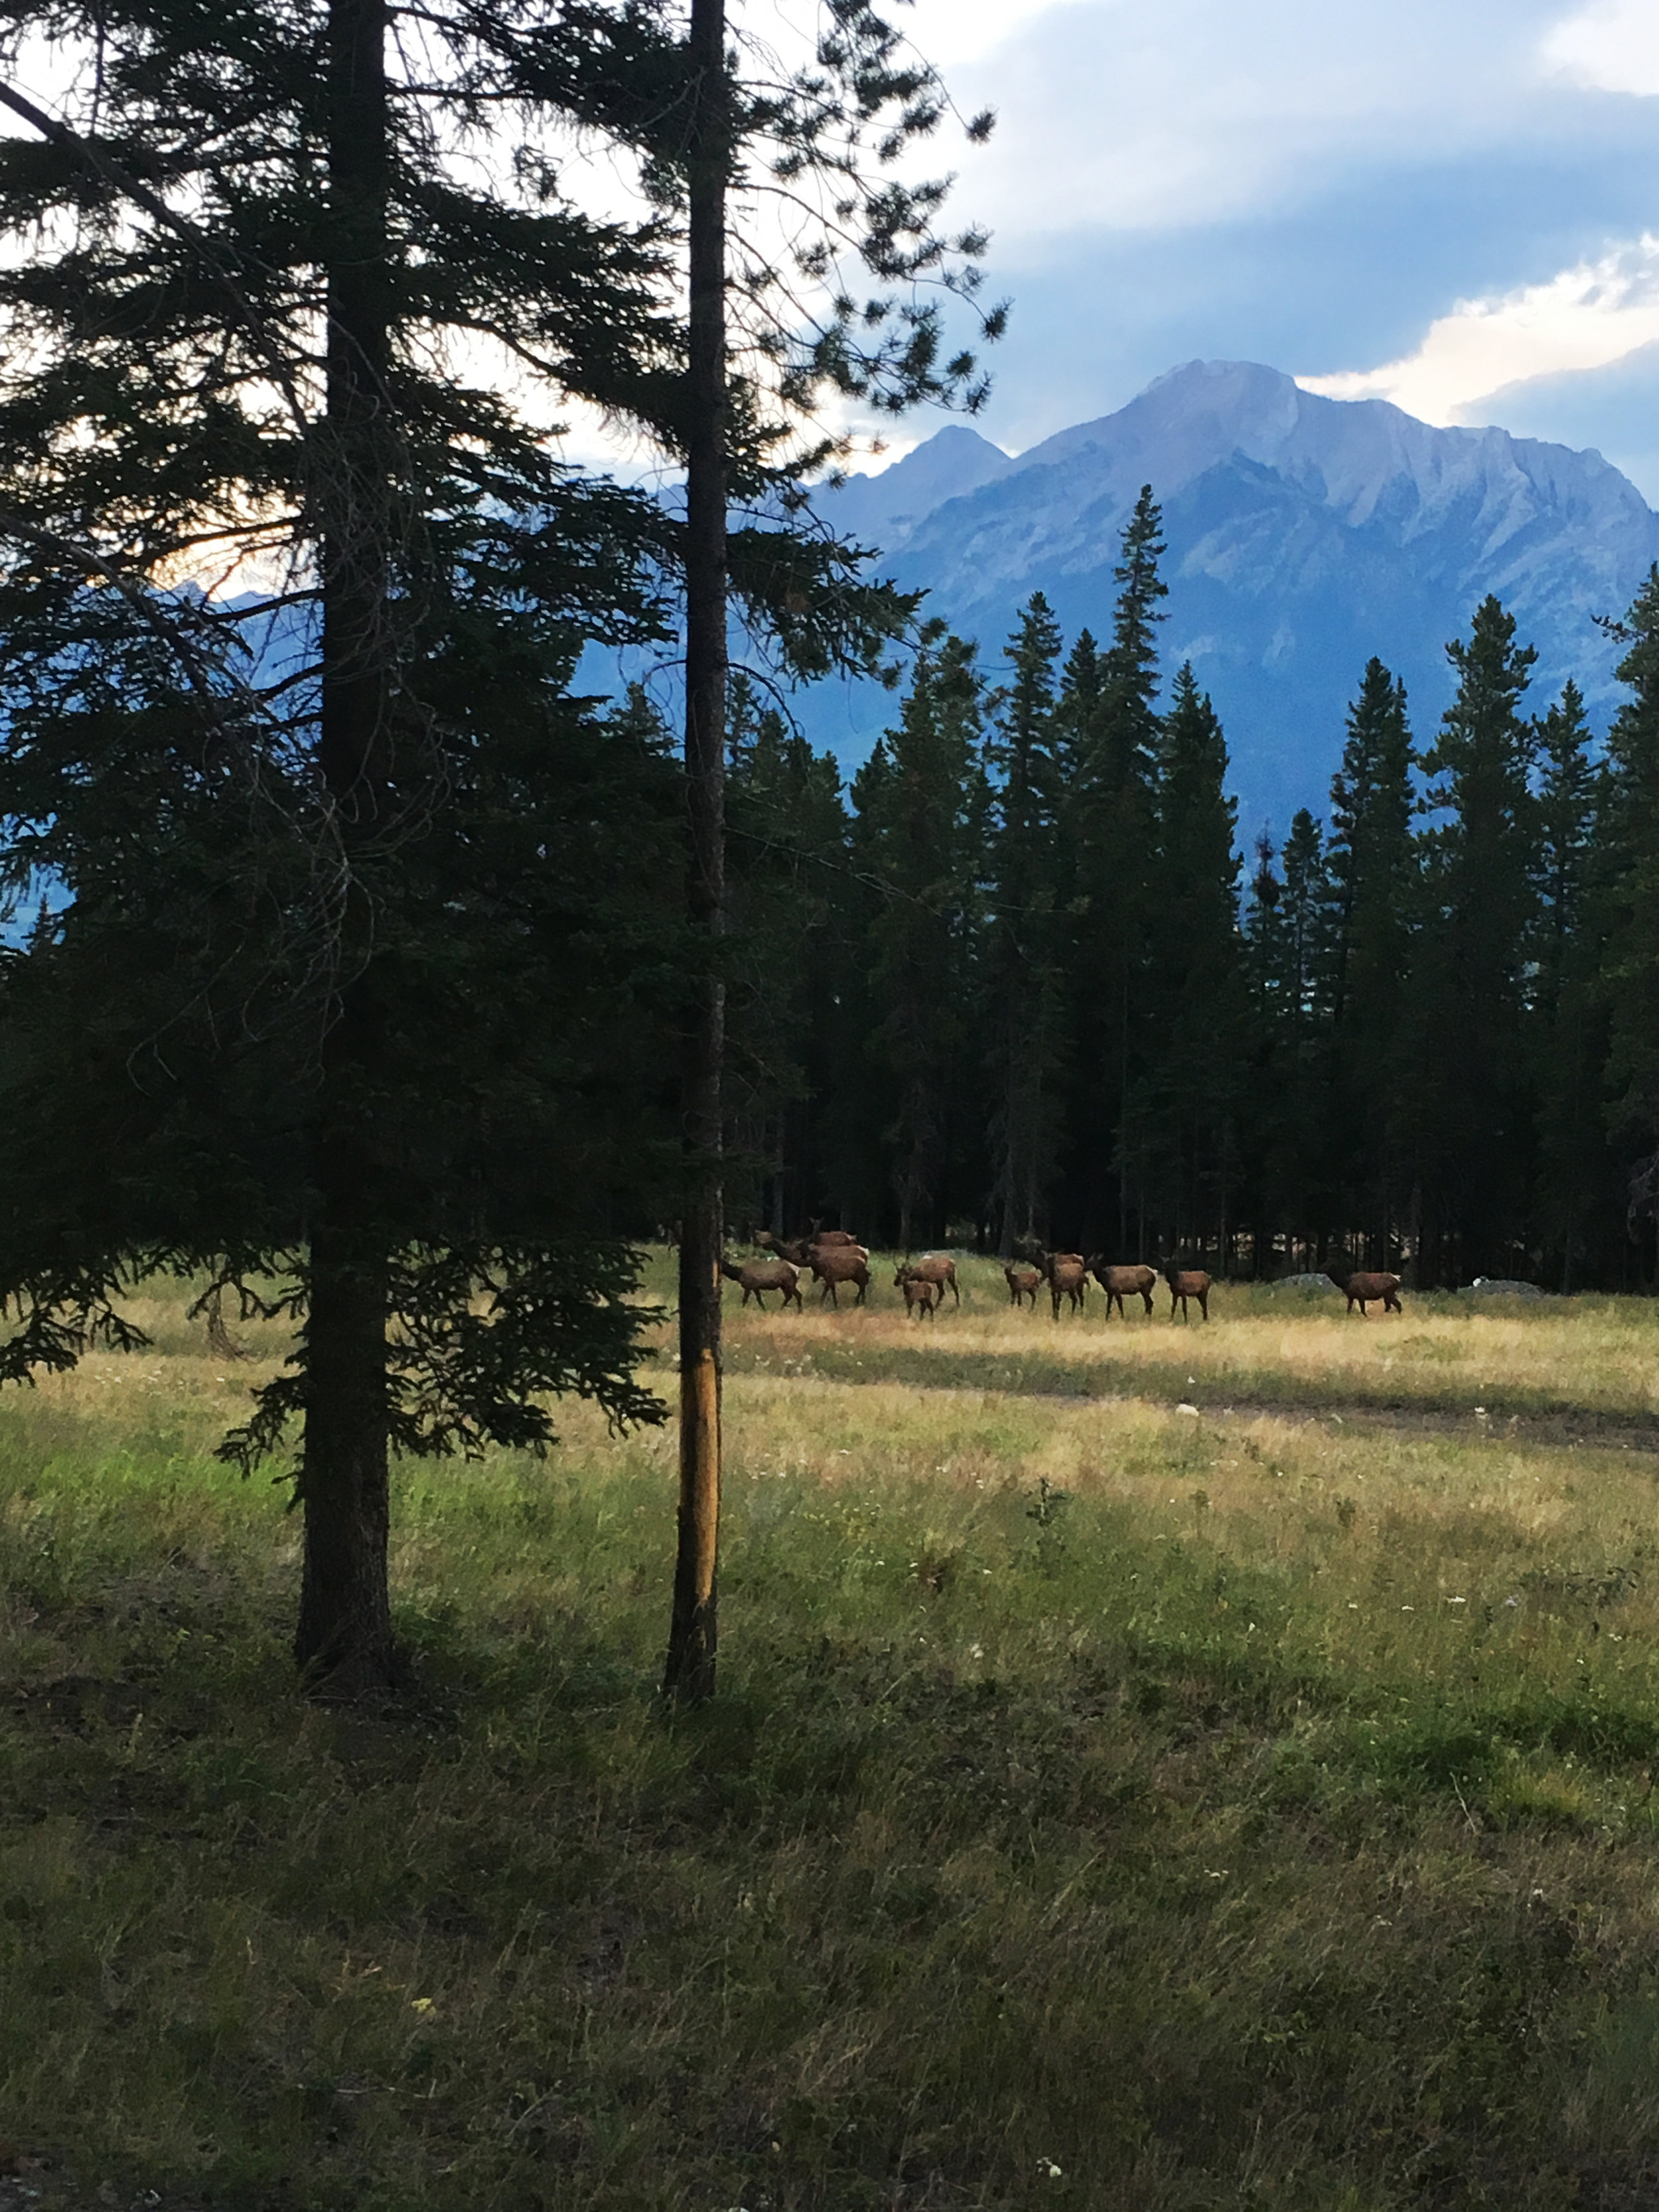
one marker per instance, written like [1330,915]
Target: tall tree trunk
[688,1675]
[344,1640]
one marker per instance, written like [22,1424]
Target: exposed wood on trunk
[688,1675]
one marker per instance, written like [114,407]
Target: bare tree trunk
[688,1675]
[344,1640]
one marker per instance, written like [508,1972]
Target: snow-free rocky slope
[1304,534]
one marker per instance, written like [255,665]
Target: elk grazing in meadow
[1360,1289]
[1117,1282]
[757,1276]
[1188,1283]
[1022,1282]
[835,1264]
[1068,1277]
[937,1267]
[922,1294]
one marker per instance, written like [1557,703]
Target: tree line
[1019,980]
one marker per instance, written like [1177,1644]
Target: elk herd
[836,1261]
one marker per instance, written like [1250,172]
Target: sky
[1450,203]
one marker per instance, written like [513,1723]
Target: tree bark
[343,1641]
[688,1675]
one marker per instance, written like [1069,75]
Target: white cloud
[1613,45]
[1585,318]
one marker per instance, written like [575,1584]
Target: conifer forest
[1026,977]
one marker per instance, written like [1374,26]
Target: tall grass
[1105,1805]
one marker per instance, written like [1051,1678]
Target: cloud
[1115,115]
[1585,318]
[1610,47]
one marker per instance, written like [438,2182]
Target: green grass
[1104,1806]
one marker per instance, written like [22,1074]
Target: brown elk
[835,1264]
[937,1267]
[1360,1289]
[1136,1282]
[1068,1277]
[760,1275]
[922,1294]
[1022,1282]
[799,1249]
[1188,1283]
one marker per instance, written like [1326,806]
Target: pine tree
[1574,1163]
[1109,737]
[1024,982]
[1189,1093]
[921,802]
[1371,865]
[1629,903]
[243,269]
[1468,1112]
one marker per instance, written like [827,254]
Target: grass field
[1154,1768]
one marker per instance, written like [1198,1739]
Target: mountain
[1304,534]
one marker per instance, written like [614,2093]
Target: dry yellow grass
[1106,1804]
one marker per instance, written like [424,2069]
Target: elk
[760,1275]
[938,1267]
[1022,1282]
[835,1264]
[1137,1282]
[1068,1277]
[1360,1289]
[1188,1283]
[922,1294]
[799,1249]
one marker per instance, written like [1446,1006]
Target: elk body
[1022,1282]
[1119,1282]
[922,1294]
[799,1249]
[1188,1283]
[1359,1290]
[937,1268]
[757,1276]
[835,1264]
[1068,1277]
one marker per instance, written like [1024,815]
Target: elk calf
[1359,1290]
[758,1275]
[921,1295]
[1022,1282]
[1136,1282]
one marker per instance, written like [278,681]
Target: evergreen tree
[1468,1110]
[1024,982]
[787,828]
[1573,1159]
[1630,902]
[1108,741]
[921,801]
[1190,1092]
[1371,866]
[241,274]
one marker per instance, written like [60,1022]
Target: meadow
[1154,1766]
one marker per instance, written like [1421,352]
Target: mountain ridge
[1304,534]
